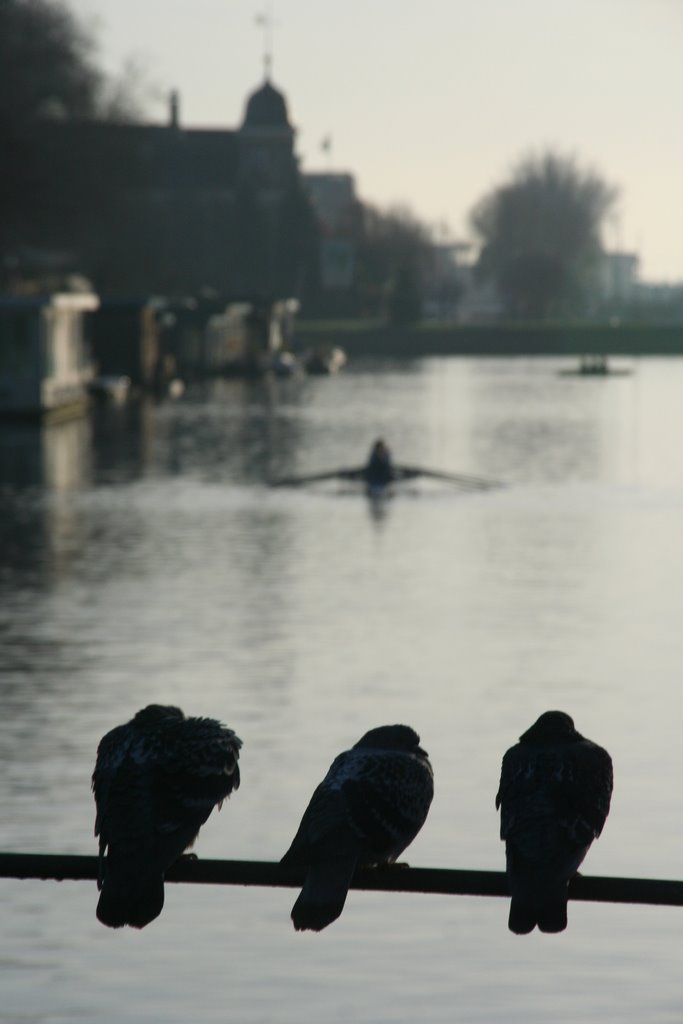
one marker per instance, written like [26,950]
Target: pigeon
[368,808]
[156,780]
[554,798]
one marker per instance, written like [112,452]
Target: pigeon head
[552,725]
[391,737]
[157,714]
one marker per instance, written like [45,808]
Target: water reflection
[539,428]
[143,558]
[40,465]
[123,441]
[379,506]
[54,456]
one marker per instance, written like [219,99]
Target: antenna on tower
[266,21]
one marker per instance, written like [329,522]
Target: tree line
[537,235]
[48,71]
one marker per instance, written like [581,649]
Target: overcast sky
[430,104]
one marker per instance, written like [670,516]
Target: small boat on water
[379,482]
[113,388]
[284,364]
[324,360]
[595,366]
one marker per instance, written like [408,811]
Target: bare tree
[540,235]
[392,252]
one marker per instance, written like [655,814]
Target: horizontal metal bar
[399,878]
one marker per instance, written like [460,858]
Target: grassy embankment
[373,338]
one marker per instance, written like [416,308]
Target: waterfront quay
[372,338]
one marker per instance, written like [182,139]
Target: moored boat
[325,360]
[45,360]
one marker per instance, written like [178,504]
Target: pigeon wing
[570,786]
[588,792]
[198,769]
[387,801]
[324,825]
[112,752]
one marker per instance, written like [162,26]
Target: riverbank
[372,338]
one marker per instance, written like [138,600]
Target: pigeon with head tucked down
[368,808]
[554,797]
[156,780]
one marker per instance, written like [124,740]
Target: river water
[143,558]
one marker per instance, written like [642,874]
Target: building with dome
[174,210]
[267,108]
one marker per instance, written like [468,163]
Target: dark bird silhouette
[368,808]
[554,797]
[156,781]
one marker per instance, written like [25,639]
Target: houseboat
[248,338]
[125,340]
[45,361]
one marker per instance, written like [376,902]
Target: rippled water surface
[144,558]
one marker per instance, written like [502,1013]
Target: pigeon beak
[423,752]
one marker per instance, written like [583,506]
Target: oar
[462,479]
[399,473]
[311,478]
[405,473]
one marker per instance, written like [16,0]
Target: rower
[379,469]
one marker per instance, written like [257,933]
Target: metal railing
[399,878]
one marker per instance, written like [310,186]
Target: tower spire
[266,21]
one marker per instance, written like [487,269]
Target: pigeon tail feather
[323,896]
[135,903]
[522,919]
[552,916]
[549,914]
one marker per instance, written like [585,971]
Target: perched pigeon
[368,808]
[156,781]
[554,797]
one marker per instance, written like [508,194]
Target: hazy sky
[430,104]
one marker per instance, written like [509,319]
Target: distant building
[335,202]
[618,278]
[164,209]
[337,210]
[658,302]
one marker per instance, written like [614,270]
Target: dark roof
[266,108]
[149,155]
